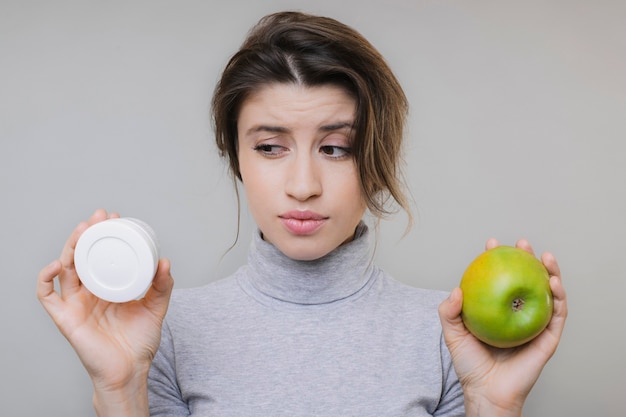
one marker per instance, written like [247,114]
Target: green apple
[506,297]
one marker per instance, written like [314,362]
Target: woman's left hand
[497,381]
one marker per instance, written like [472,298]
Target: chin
[303,252]
[304,256]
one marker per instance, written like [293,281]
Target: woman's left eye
[335,151]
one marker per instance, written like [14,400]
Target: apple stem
[517,304]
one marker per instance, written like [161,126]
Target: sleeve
[452,401]
[164,394]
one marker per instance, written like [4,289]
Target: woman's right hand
[115,341]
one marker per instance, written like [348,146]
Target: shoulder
[213,290]
[410,296]
[406,305]
[191,304]
[401,305]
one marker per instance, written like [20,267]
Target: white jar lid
[116,259]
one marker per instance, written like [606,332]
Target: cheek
[251,183]
[247,169]
[348,190]
[257,185]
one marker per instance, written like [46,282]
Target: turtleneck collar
[336,276]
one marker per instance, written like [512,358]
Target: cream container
[116,259]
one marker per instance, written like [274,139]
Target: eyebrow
[280,129]
[337,126]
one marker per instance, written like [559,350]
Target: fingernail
[454,296]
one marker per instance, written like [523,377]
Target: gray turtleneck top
[331,337]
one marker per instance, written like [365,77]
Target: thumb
[450,316]
[158,296]
[450,308]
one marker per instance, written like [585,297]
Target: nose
[303,178]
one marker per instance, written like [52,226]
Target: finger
[67,255]
[46,294]
[559,315]
[98,216]
[559,296]
[556,285]
[68,279]
[524,245]
[450,308]
[492,243]
[560,310]
[549,261]
[163,281]
[450,317]
[548,341]
[158,296]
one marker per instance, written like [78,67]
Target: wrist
[129,399]
[479,406]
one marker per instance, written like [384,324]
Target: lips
[302,222]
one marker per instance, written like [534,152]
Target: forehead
[294,106]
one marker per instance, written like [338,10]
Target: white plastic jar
[116,259]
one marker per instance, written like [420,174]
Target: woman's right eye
[269,149]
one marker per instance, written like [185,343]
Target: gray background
[517,130]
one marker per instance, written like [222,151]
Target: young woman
[310,119]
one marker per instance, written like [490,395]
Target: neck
[336,276]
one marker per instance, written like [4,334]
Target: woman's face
[297,167]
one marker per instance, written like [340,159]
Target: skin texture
[294,156]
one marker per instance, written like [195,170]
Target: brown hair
[292,47]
